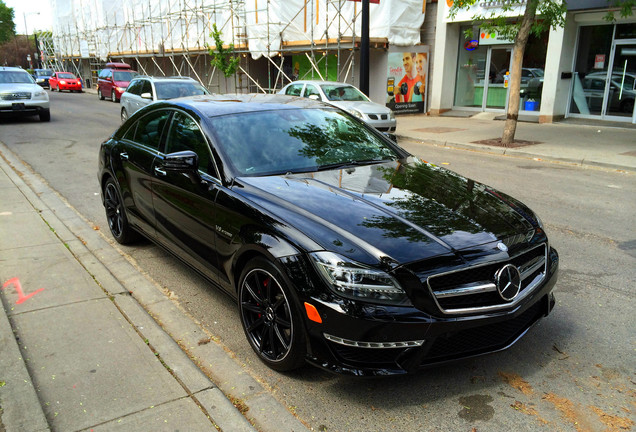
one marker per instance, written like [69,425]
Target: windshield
[124,75]
[343,93]
[298,140]
[7,77]
[44,73]
[66,75]
[171,90]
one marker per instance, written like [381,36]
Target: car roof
[167,79]
[218,105]
[318,82]
[12,69]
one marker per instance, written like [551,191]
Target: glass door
[498,77]
[620,88]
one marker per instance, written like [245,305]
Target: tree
[7,26]
[537,16]
[222,58]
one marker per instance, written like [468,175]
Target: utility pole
[364,49]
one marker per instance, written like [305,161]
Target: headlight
[356,281]
[391,115]
[40,95]
[356,113]
[120,89]
[62,82]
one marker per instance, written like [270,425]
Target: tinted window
[185,135]
[300,140]
[146,87]
[135,87]
[294,90]
[345,93]
[150,127]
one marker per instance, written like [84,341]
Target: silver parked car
[21,96]
[143,90]
[348,98]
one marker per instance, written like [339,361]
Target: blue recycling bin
[531,105]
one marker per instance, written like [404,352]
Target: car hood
[21,87]
[396,212]
[362,106]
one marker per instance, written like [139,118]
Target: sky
[34,21]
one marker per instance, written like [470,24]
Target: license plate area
[17,106]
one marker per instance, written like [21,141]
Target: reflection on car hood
[19,87]
[407,210]
[362,106]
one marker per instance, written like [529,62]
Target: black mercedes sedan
[341,249]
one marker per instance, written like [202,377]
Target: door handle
[123,155]
[159,171]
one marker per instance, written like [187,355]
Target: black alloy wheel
[269,317]
[116,215]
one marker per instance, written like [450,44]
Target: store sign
[406,84]
[599,61]
[492,37]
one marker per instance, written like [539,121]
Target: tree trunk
[521,41]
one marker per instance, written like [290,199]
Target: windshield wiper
[351,163]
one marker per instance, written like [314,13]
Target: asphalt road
[575,371]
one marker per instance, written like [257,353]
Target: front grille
[474,290]
[378,116]
[483,339]
[16,96]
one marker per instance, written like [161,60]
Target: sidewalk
[608,145]
[79,348]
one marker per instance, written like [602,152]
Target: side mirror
[146,96]
[182,161]
[186,162]
[314,97]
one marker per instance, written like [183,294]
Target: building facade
[586,69]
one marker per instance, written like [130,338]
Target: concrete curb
[483,148]
[172,332]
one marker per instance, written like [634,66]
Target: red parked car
[65,81]
[113,80]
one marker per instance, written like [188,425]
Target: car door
[136,153]
[185,204]
[129,99]
[146,89]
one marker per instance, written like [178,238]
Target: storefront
[585,69]
[604,78]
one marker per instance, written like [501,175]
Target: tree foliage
[625,9]
[7,26]
[222,58]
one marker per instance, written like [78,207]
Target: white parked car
[143,90]
[348,98]
[21,96]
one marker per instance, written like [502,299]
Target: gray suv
[144,90]
[20,96]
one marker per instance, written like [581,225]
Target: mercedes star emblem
[508,281]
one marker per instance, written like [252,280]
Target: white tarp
[132,26]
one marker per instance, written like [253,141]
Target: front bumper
[72,87]
[362,339]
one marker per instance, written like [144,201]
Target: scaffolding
[171,37]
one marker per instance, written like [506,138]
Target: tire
[45,115]
[270,316]
[627,106]
[116,214]
[113,96]
[124,115]
[100,95]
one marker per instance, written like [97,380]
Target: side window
[150,127]
[185,135]
[294,90]
[147,87]
[135,87]
[312,90]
